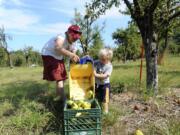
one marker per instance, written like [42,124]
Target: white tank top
[49,48]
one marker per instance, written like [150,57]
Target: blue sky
[33,22]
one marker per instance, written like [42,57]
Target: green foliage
[21,57]
[96,45]
[111,118]
[90,31]
[174,48]
[170,127]
[18,58]
[3,57]
[35,58]
[30,115]
[118,87]
[6,107]
[176,35]
[173,42]
[128,41]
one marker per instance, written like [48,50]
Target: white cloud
[17,19]
[68,9]
[21,22]
[1,2]
[53,28]
[68,6]
[17,2]
[57,28]
[64,11]
[114,12]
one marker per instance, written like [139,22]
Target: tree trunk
[149,38]
[151,54]
[27,60]
[9,59]
[161,55]
[125,54]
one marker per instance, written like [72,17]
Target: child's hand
[100,76]
[95,74]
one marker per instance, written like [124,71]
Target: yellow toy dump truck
[82,113]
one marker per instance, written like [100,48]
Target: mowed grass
[26,101]
[127,76]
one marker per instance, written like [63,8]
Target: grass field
[26,101]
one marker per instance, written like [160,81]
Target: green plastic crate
[83,122]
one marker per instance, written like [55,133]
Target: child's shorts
[103,92]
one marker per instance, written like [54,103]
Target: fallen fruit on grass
[139,132]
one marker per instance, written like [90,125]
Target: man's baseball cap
[75,31]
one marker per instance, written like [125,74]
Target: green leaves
[128,41]
[91,31]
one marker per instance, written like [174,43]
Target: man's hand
[74,58]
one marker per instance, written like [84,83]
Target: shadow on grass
[126,66]
[38,92]
[173,73]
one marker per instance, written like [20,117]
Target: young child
[103,70]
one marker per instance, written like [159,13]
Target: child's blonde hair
[107,52]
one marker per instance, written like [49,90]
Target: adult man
[53,54]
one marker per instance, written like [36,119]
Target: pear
[74,106]
[70,102]
[90,94]
[86,105]
[79,103]
[139,132]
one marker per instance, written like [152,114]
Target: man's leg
[60,90]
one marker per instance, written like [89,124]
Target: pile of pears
[78,104]
[81,104]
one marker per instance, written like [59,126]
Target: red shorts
[54,70]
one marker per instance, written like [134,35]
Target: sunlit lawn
[26,101]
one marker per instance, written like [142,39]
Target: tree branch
[153,5]
[128,4]
[177,14]
[137,8]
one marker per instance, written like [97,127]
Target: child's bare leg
[105,105]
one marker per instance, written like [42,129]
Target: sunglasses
[76,32]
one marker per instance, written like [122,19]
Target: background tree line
[128,42]
[127,46]
[25,57]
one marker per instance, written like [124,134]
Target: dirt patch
[152,116]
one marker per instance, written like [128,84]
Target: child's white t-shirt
[103,68]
